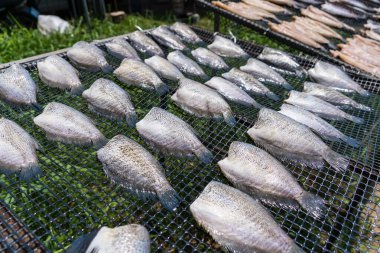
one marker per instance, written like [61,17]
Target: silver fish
[249,83]
[231,92]
[319,107]
[289,140]
[206,57]
[121,49]
[165,37]
[318,125]
[141,42]
[171,135]
[185,33]
[281,61]
[226,48]
[131,238]
[332,76]
[108,99]
[67,125]
[56,72]
[238,222]
[17,86]
[164,68]
[342,10]
[186,65]
[257,173]
[137,73]
[264,73]
[88,57]
[128,164]
[200,100]
[17,151]
[332,96]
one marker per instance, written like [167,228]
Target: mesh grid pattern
[74,195]
[224,19]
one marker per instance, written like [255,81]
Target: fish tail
[356,119]
[361,107]
[229,118]
[273,96]
[313,204]
[131,119]
[107,68]
[100,142]
[351,141]
[37,107]
[169,198]
[204,155]
[83,242]
[363,92]
[77,90]
[162,89]
[30,173]
[337,161]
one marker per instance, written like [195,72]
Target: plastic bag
[48,24]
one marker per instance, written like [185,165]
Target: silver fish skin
[249,83]
[319,107]
[332,96]
[221,207]
[138,74]
[17,86]
[130,165]
[67,125]
[227,48]
[232,92]
[318,125]
[131,238]
[164,68]
[206,57]
[281,61]
[287,139]
[257,173]
[18,151]
[88,57]
[342,10]
[121,49]
[186,65]
[264,73]
[56,72]
[202,101]
[332,76]
[109,100]
[169,134]
[186,33]
[141,42]
[165,37]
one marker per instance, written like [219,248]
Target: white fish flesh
[164,68]
[141,42]
[121,49]
[227,48]
[165,37]
[206,57]
[186,33]
[186,65]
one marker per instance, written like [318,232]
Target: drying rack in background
[225,20]
[74,195]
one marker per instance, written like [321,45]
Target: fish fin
[351,141]
[362,107]
[30,173]
[364,92]
[287,86]
[296,249]
[204,77]
[162,89]
[273,96]
[229,118]
[131,119]
[356,119]
[107,68]
[77,90]
[101,142]
[37,107]
[204,155]
[82,243]
[169,198]
[337,161]
[313,204]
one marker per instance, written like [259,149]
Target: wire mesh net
[74,195]
[225,20]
